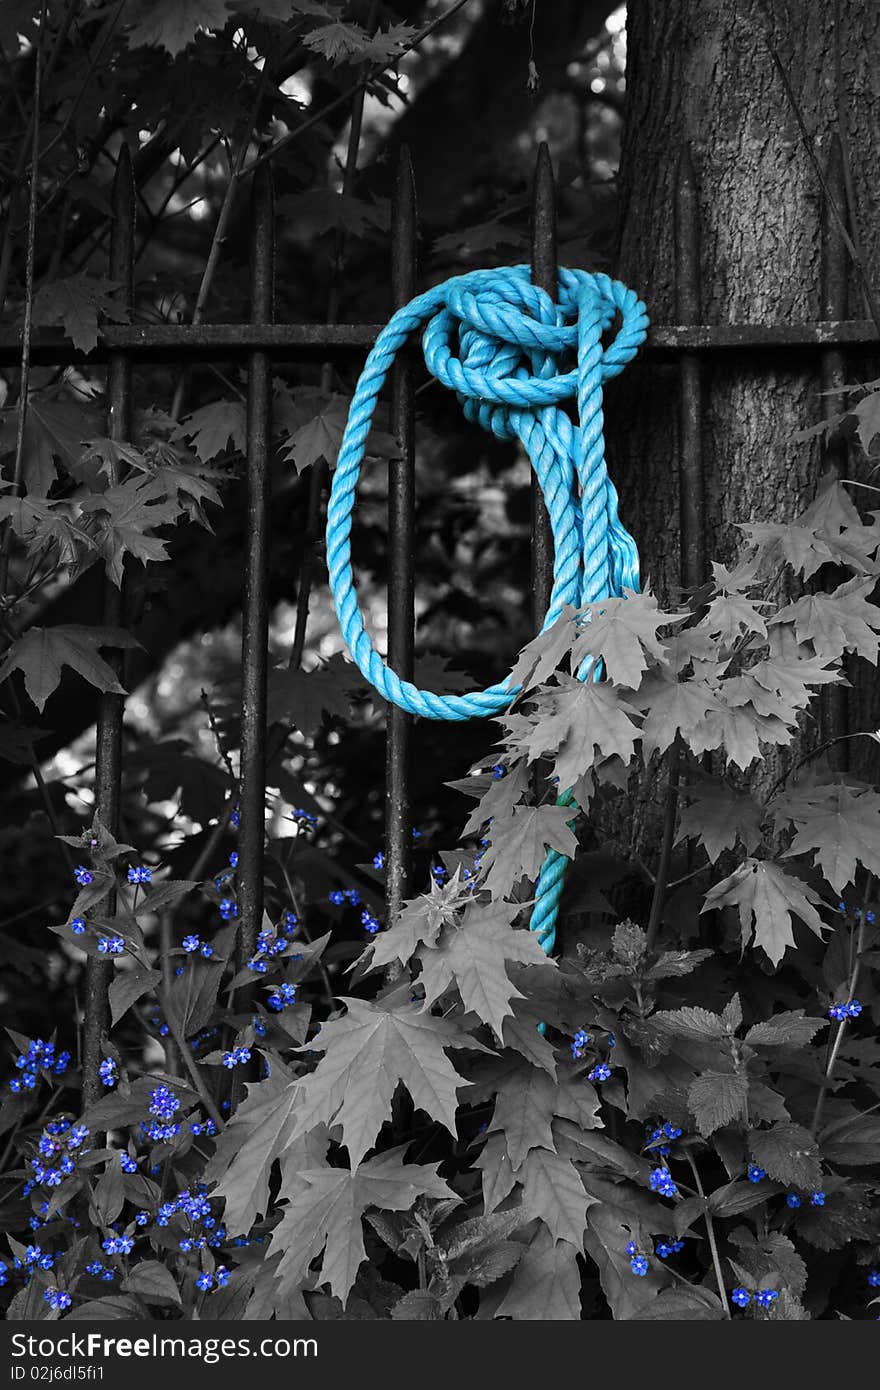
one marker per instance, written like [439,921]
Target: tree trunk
[701,73]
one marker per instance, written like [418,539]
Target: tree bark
[702,73]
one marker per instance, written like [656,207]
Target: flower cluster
[83,876]
[339,896]
[764,1298]
[370,923]
[668,1246]
[59,1143]
[236,1056]
[661,1137]
[839,1012]
[57,1298]
[139,873]
[40,1055]
[193,943]
[600,1072]
[661,1181]
[111,945]
[280,998]
[579,1044]
[163,1105]
[99,1271]
[638,1262]
[118,1245]
[220,1277]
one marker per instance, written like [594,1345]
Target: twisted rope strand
[513,357]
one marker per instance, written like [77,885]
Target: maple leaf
[587,720]
[303,698]
[672,707]
[518,843]
[473,954]
[75,302]
[419,923]
[837,622]
[539,658]
[172,24]
[767,898]
[325,1210]
[120,520]
[622,633]
[838,824]
[739,731]
[791,679]
[42,651]
[339,42]
[718,816]
[259,1131]
[483,236]
[210,429]
[499,795]
[527,1101]
[368,1053]
[53,429]
[730,615]
[553,1190]
[867,413]
[547,1283]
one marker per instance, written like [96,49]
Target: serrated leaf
[527,1101]
[842,621]
[790,1029]
[581,723]
[671,707]
[691,1022]
[172,24]
[320,210]
[716,1098]
[472,954]
[75,301]
[789,1154]
[839,825]
[518,844]
[419,923]
[42,652]
[121,522]
[547,1283]
[213,427]
[553,1190]
[767,899]
[305,698]
[324,1215]
[367,1053]
[622,633]
[718,815]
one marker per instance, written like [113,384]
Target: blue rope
[514,358]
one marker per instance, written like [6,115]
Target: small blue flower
[222,1275]
[83,876]
[600,1072]
[107,1071]
[190,943]
[741,1297]
[206,950]
[205,1281]
[379,860]
[111,945]
[817,1199]
[163,1103]
[639,1265]
[632,1248]
[129,1164]
[78,925]
[337,897]
[498,772]
[793,1200]
[233,859]
[259,967]
[662,1182]
[765,1297]
[140,874]
[874,1278]
[756,1173]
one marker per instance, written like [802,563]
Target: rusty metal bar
[108,748]
[401,550]
[545,275]
[293,341]
[691,490]
[255,617]
[833,704]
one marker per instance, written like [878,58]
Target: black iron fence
[261,341]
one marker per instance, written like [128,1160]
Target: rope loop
[514,358]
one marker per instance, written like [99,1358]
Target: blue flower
[129,1164]
[498,772]
[639,1265]
[765,1297]
[874,1278]
[741,1297]
[379,860]
[793,1200]
[632,1248]
[854,1008]
[662,1182]
[206,949]
[163,1103]
[107,1072]
[111,945]
[233,859]
[222,1275]
[140,874]
[78,925]
[353,896]
[438,873]
[259,967]
[600,1072]
[83,876]
[337,897]
[756,1173]
[205,1281]
[817,1199]
[371,923]
[57,1298]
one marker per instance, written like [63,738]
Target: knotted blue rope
[514,358]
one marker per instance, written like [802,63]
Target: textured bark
[702,72]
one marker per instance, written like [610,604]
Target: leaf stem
[710,1232]
[827,1079]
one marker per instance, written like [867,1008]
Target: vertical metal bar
[401,548]
[833,704]
[692,519]
[108,749]
[255,617]
[545,276]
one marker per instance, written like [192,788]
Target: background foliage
[366,1121]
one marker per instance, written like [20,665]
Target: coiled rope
[513,357]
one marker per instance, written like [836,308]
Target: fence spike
[692,506]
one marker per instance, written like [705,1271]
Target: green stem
[710,1232]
